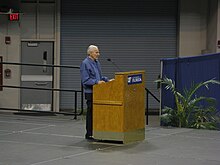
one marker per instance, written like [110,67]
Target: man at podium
[91,74]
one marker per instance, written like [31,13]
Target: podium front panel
[118,108]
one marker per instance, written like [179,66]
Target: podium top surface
[130,72]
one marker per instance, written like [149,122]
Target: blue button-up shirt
[90,71]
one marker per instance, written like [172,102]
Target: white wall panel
[9,98]
[29,21]
[193,27]
[38,19]
[46,20]
[212,26]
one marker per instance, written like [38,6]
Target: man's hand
[100,82]
[111,79]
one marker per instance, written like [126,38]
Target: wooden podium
[119,108]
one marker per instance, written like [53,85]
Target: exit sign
[14,17]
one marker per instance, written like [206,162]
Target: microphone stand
[110,60]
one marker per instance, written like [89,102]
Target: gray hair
[91,48]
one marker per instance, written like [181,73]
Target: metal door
[36,76]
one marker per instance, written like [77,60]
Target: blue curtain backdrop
[187,70]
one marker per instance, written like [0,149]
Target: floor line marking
[70,136]
[31,129]
[70,156]
[4,134]
[40,119]
[39,144]
[21,123]
[164,135]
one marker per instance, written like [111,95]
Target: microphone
[116,66]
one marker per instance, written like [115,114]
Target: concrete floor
[59,140]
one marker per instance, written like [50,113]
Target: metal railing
[148,92]
[47,89]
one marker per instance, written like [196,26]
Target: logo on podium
[135,79]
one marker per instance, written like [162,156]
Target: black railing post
[147,102]
[82,99]
[75,115]
[147,106]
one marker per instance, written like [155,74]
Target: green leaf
[189,112]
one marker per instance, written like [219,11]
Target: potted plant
[188,111]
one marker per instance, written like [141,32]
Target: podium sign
[119,108]
[135,79]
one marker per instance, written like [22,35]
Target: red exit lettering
[14,17]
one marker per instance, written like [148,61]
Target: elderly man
[90,71]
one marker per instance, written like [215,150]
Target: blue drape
[187,70]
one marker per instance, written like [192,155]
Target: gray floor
[59,140]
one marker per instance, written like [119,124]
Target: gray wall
[199,21]
[10,97]
[135,37]
[193,27]
[199,30]
[38,20]
[212,26]
[37,23]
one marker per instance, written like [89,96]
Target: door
[37,76]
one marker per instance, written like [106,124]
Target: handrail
[49,89]
[66,90]
[147,102]
[32,64]
[152,95]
